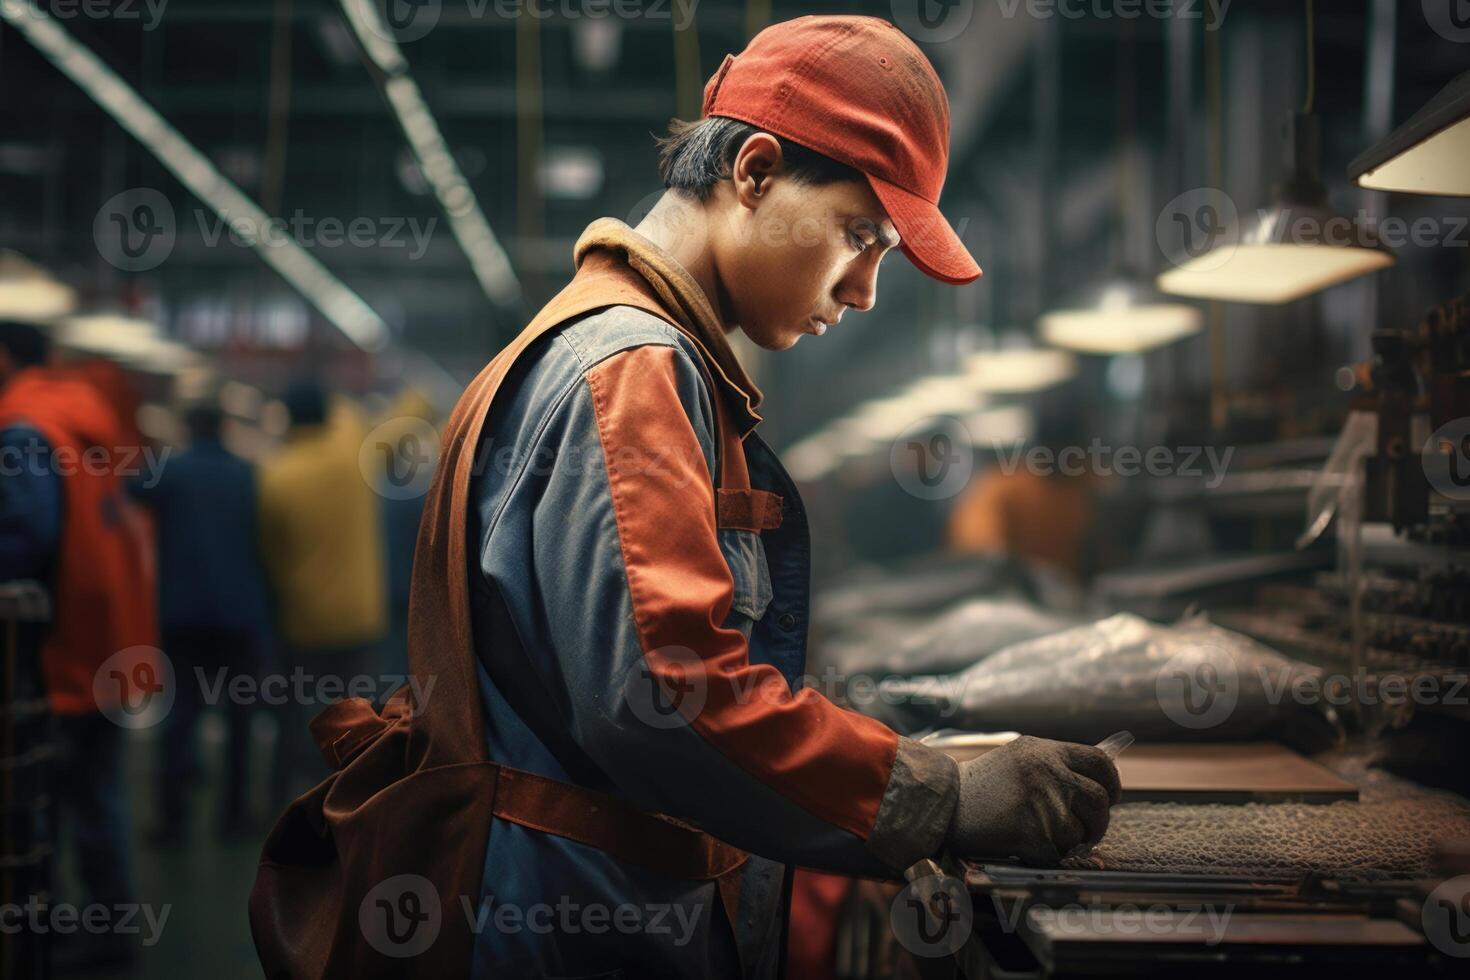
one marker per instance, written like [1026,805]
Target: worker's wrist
[918,805]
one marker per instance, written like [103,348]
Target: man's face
[794,257]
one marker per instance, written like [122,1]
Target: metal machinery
[1392,610]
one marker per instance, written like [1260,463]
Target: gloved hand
[1033,799]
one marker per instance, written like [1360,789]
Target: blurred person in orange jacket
[64,521]
[1036,507]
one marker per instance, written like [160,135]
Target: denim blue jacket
[594,477]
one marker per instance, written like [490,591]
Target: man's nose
[859,289]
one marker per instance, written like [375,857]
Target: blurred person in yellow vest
[321,542]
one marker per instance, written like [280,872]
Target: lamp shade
[1125,316]
[1284,252]
[1295,246]
[1429,154]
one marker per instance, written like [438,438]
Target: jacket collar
[684,298]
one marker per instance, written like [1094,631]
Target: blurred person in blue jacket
[213,613]
[30,495]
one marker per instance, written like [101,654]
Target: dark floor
[203,881]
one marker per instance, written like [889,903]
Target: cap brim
[926,238]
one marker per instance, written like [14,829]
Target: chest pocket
[746,556]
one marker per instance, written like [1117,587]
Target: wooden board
[1228,772]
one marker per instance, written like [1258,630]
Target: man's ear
[757,162]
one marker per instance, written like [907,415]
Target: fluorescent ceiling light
[1019,370]
[37,299]
[820,454]
[597,43]
[1127,317]
[340,305]
[571,173]
[1004,425]
[108,336]
[945,393]
[882,420]
[1293,248]
[27,292]
[163,357]
[812,458]
[1429,154]
[466,220]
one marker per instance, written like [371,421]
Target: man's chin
[774,340]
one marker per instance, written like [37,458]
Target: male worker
[64,521]
[634,575]
[321,544]
[213,613]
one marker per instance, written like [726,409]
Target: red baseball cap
[857,90]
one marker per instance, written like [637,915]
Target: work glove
[1033,800]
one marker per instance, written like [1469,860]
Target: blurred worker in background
[1036,508]
[64,521]
[321,541]
[212,609]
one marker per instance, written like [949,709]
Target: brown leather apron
[413,792]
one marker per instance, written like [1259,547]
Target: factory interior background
[1191,459]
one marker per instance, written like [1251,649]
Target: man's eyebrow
[886,238]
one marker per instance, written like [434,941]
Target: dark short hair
[306,402]
[695,156]
[27,344]
[204,420]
